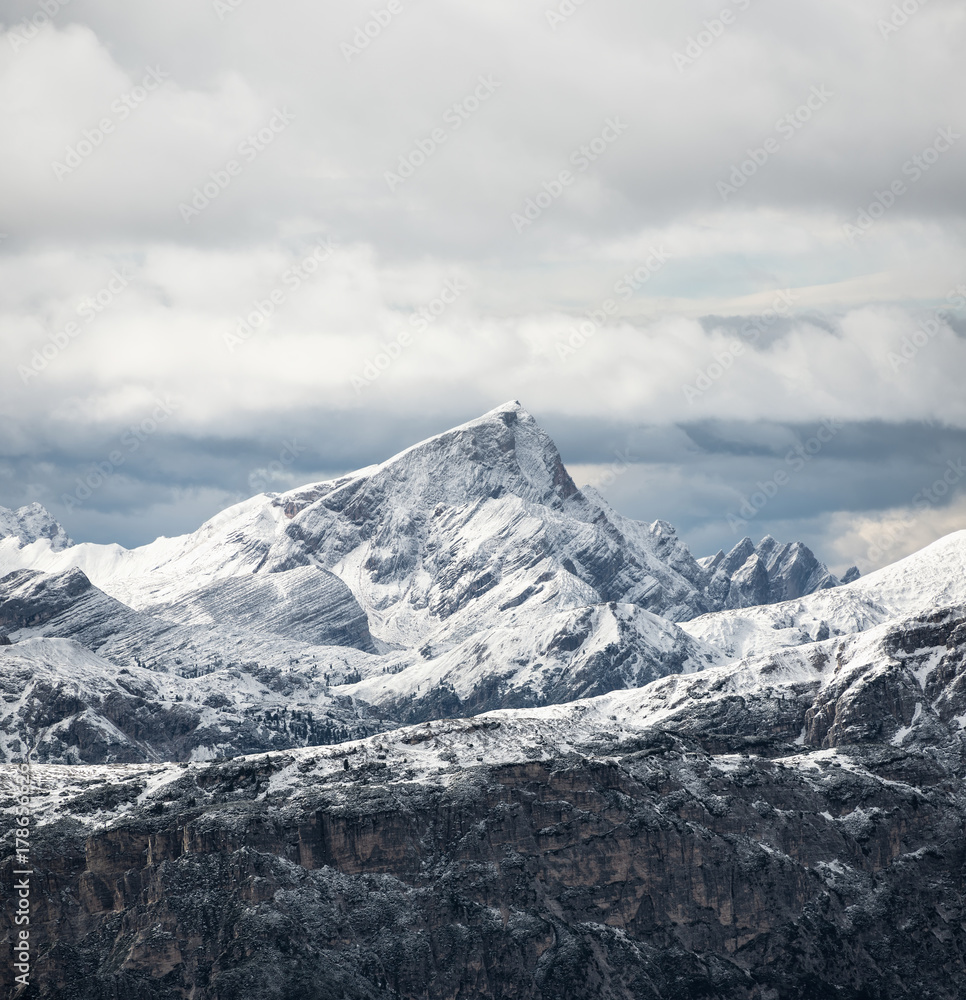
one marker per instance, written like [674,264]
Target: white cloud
[322,178]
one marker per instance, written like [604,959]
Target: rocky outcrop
[66,705]
[309,606]
[644,867]
[28,524]
[767,573]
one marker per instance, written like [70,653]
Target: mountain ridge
[511,774]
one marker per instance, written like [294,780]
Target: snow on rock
[30,524]
[465,574]
[63,703]
[928,579]
[565,655]
[457,531]
[860,688]
[750,575]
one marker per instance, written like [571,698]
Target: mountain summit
[466,573]
[29,524]
[502,452]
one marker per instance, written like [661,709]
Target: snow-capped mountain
[480,521]
[766,573]
[931,578]
[467,573]
[488,578]
[678,777]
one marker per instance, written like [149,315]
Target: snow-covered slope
[233,543]
[897,683]
[566,655]
[63,703]
[931,578]
[67,605]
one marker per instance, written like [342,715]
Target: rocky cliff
[491,858]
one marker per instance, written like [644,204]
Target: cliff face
[622,867]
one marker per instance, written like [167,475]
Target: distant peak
[32,522]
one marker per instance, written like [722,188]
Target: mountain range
[466,574]
[451,726]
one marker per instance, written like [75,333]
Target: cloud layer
[708,232]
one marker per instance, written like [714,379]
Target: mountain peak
[504,451]
[510,406]
[32,522]
[507,414]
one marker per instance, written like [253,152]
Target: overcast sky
[284,240]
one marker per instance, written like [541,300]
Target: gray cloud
[842,343]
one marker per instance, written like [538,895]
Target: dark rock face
[649,869]
[768,573]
